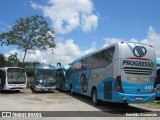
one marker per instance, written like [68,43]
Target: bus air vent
[140,71]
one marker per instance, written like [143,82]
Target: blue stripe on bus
[130,47]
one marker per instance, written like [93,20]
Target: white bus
[12,78]
[122,72]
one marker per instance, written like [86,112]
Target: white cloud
[109,41]
[4,27]
[29,57]
[65,53]
[68,15]
[152,38]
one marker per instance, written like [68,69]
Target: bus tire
[95,100]
[1,89]
[17,91]
[71,90]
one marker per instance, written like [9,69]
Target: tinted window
[103,58]
[87,63]
[16,76]
[96,60]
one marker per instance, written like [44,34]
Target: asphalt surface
[62,104]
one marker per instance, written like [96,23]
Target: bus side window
[87,63]
[96,61]
[108,55]
[76,66]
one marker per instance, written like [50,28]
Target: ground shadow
[11,92]
[40,92]
[115,109]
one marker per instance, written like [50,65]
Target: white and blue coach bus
[44,78]
[62,77]
[122,73]
[12,78]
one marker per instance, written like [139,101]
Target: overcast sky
[83,26]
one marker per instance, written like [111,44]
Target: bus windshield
[45,76]
[158,65]
[16,76]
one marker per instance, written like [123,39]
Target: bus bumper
[132,98]
[14,87]
[40,88]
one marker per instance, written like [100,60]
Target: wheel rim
[71,90]
[94,97]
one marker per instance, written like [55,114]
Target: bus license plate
[138,98]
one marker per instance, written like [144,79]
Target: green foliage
[30,34]
[29,84]
[13,61]
[29,67]
[2,60]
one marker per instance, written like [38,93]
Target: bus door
[2,79]
[137,69]
[60,78]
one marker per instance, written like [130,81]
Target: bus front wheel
[95,100]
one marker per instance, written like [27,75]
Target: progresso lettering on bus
[138,63]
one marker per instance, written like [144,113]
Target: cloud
[109,41]
[66,51]
[69,15]
[29,57]
[152,38]
[4,27]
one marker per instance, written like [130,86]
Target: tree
[30,34]
[13,60]
[2,60]
[29,67]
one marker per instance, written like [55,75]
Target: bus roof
[42,66]
[92,53]
[11,67]
[66,67]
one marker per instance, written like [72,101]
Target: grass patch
[29,84]
[155,104]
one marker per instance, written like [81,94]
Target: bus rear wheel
[71,90]
[95,100]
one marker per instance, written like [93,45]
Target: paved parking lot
[28,101]
[58,101]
